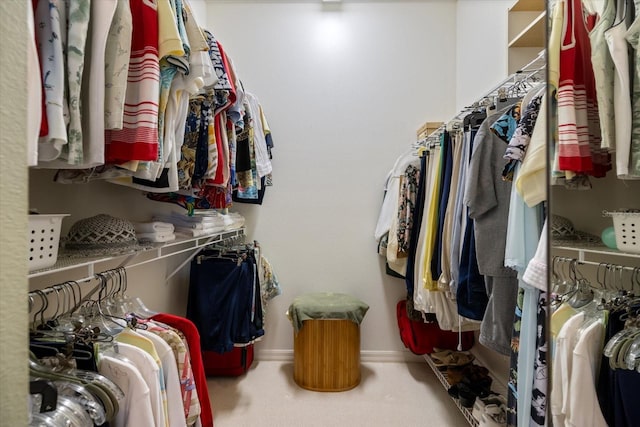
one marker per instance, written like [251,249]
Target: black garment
[472,298]
[202,149]
[83,354]
[471,295]
[258,201]
[224,301]
[162,182]
[415,230]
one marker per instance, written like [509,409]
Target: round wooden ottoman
[326,342]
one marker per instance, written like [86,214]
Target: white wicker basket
[44,239]
[627,230]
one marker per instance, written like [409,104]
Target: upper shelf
[528,6]
[533,35]
[584,253]
[134,259]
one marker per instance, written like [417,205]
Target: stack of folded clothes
[155,231]
[233,221]
[194,226]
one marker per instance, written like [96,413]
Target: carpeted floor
[389,394]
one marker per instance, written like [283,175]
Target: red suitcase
[230,364]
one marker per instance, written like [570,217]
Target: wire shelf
[442,377]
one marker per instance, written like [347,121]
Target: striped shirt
[138,138]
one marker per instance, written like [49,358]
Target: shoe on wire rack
[494,416]
[481,403]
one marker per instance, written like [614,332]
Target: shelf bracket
[199,246]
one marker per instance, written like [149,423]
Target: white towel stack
[233,221]
[195,226]
[155,231]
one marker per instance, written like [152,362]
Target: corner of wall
[13,218]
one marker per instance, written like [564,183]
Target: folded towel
[233,221]
[209,218]
[191,222]
[153,227]
[159,237]
[198,232]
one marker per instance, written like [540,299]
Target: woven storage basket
[44,239]
[627,230]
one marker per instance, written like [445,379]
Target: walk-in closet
[320,213]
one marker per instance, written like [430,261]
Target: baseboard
[365,356]
[275,355]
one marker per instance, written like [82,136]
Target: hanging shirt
[487,194]
[408,194]
[633,37]
[443,199]
[584,409]
[579,132]
[150,370]
[169,46]
[618,49]
[177,341]
[190,401]
[93,85]
[521,137]
[90,141]
[117,54]
[78,14]
[603,72]
[183,86]
[531,180]
[536,272]
[392,193]
[263,163]
[431,226]
[51,34]
[187,162]
[175,407]
[444,281]
[138,139]
[193,338]
[562,370]
[137,410]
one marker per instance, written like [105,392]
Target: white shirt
[151,374]
[562,369]
[389,207]
[584,408]
[263,163]
[135,410]
[171,379]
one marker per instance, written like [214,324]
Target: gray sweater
[487,197]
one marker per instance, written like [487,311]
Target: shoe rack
[496,386]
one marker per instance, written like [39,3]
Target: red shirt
[193,339]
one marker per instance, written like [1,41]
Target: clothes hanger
[104,389]
[90,403]
[48,393]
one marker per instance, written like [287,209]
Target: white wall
[345,89]
[481,48]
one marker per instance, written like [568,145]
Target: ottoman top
[326,305]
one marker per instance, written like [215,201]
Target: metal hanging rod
[526,73]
